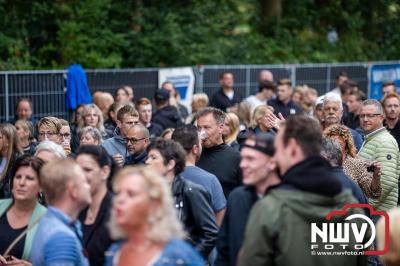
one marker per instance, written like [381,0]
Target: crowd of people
[231,181]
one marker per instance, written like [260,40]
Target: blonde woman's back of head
[392,257]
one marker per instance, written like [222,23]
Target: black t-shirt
[7,236]
[222,161]
[395,132]
[285,109]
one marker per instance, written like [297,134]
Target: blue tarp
[77,88]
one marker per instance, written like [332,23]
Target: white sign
[183,80]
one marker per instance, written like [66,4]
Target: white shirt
[255,102]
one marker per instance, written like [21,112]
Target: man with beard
[137,139]
[332,114]
[391,106]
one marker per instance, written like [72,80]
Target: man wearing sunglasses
[137,139]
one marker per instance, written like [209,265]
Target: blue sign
[181,83]
[380,74]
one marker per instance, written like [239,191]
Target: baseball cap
[161,95]
[263,142]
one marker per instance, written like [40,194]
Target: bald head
[266,75]
[137,139]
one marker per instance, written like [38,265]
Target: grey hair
[333,97]
[94,132]
[377,104]
[331,151]
[218,114]
[51,146]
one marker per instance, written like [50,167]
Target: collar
[74,225]
[59,215]
[373,133]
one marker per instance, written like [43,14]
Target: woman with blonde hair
[92,116]
[10,150]
[231,130]
[260,122]
[199,101]
[357,169]
[25,134]
[243,111]
[144,216]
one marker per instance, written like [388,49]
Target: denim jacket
[175,253]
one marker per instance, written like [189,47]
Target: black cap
[263,142]
[161,95]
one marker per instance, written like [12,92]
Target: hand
[3,260]
[274,120]
[377,170]
[119,159]
[67,148]
[17,262]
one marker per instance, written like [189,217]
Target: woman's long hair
[164,222]
[85,111]
[234,127]
[10,132]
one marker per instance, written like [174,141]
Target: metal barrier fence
[46,88]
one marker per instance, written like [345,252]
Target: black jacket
[136,159]
[167,117]
[221,101]
[195,212]
[285,109]
[155,130]
[314,175]
[231,233]
[96,238]
[5,183]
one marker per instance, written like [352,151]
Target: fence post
[7,98]
[200,75]
[293,75]
[328,78]
[247,81]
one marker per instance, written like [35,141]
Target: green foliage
[136,33]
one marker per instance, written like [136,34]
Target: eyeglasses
[133,140]
[369,116]
[66,135]
[48,134]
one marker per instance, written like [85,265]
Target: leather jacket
[195,212]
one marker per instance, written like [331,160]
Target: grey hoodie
[116,144]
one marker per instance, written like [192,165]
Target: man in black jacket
[137,139]
[191,200]
[226,96]
[166,116]
[283,103]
